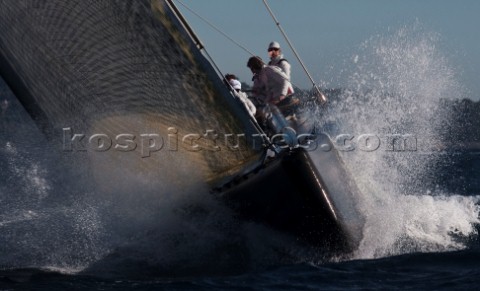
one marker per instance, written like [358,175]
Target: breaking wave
[396,88]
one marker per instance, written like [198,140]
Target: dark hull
[294,195]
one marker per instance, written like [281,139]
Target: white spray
[396,88]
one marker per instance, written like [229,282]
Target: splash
[396,88]
[40,225]
[54,215]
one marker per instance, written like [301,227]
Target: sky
[327,34]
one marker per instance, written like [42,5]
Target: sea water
[396,89]
[56,232]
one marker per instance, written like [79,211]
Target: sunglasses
[272,49]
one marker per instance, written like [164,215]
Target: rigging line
[226,36]
[321,95]
[268,143]
[216,28]
[193,36]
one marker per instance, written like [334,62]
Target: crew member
[277,59]
[237,90]
[270,84]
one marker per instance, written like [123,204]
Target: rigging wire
[320,94]
[197,41]
[216,28]
[193,36]
[209,23]
[317,91]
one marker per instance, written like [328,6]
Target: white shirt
[248,104]
[271,83]
[283,65]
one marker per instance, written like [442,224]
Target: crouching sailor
[242,96]
[272,92]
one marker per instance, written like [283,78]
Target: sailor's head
[235,84]
[230,77]
[255,64]
[274,49]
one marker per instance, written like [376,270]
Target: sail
[126,75]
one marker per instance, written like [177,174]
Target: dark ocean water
[88,263]
[450,270]
[417,271]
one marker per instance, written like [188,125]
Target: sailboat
[124,89]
